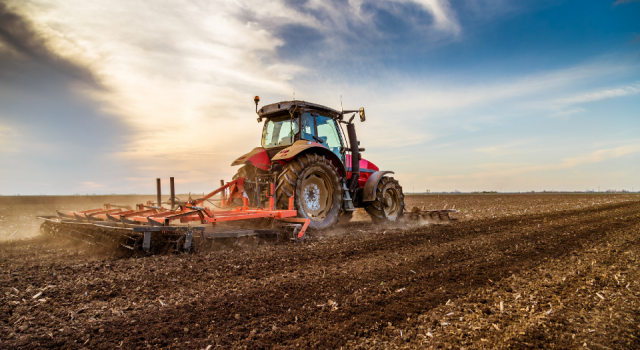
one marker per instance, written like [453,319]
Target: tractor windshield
[279,131]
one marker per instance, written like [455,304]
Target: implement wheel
[389,202]
[317,187]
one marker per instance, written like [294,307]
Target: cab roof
[279,108]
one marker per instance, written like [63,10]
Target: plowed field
[516,271]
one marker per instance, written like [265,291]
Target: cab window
[308,127]
[328,133]
[279,132]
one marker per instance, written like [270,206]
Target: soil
[515,271]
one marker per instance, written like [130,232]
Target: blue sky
[103,97]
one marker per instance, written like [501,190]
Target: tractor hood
[295,149]
[258,157]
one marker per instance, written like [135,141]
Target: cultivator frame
[151,228]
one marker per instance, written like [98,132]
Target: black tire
[317,187]
[248,171]
[389,202]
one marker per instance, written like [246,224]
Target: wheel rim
[316,195]
[391,203]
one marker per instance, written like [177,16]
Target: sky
[470,95]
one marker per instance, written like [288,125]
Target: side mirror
[362,117]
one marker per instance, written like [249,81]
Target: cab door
[327,131]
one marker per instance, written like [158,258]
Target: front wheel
[389,202]
[249,172]
[316,187]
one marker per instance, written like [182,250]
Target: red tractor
[307,174]
[306,153]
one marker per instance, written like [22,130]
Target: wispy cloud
[444,19]
[505,170]
[600,156]
[92,185]
[512,147]
[7,137]
[441,93]
[601,95]
[619,2]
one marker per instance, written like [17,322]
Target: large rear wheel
[317,190]
[389,202]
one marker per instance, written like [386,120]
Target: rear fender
[302,147]
[369,193]
[366,169]
[258,157]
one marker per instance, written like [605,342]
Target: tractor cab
[311,126]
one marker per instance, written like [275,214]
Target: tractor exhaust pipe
[355,156]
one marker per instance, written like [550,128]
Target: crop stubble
[563,274]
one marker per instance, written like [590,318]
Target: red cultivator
[152,228]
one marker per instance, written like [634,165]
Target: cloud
[600,156]
[619,2]
[513,147]
[509,170]
[91,185]
[178,79]
[444,18]
[7,139]
[20,40]
[601,95]
[536,90]
[5,132]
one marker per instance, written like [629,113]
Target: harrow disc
[442,216]
[110,237]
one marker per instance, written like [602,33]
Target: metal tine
[91,218]
[126,221]
[154,223]
[63,215]
[112,219]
